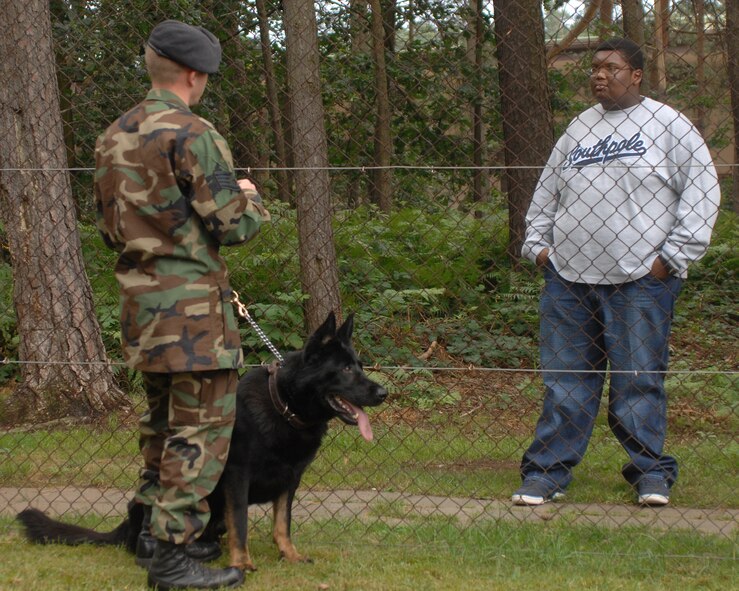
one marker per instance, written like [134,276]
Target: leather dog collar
[280,405]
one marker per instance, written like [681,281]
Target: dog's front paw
[247,567]
[293,557]
[241,559]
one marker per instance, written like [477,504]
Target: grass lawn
[457,460]
[471,449]
[354,556]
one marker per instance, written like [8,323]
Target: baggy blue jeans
[583,329]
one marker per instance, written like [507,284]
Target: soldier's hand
[246,185]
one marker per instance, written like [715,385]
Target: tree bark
[361,39]
[475,42]
[658,78]
[64,370]
[633,19]
[525,107]
[318,268]
[273,102]
[700,66]
[732,51]
[389,10]
[381,177]
[606,19]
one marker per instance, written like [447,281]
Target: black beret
[193,47]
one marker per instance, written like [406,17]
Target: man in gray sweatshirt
[626,202]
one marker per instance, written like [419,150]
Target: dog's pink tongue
[364,425]
[362,422]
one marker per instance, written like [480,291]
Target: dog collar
[280,405]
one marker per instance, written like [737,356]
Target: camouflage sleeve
[101,212]
[107,236]
[231,215]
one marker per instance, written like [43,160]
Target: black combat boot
[173,568]
[146,543]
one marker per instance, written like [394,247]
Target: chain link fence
[426,229]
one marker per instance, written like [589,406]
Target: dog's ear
[344,334]
[327,330]
[321,336]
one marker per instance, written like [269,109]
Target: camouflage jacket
[167,199]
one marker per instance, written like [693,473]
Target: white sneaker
[533,494]
[653,492]
[654,500]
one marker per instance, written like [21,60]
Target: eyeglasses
[610,69]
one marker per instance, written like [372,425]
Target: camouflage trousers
[184,439]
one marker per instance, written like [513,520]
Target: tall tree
[475,43]
[273,104]
[606,19]
[525,106]
[732,51]
[658,70]
[700,63]
[381,184]
[361,40]
[64,370]
[318,268]
[389,11]
[633,19]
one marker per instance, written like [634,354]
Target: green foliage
[477,345]
[409,276]
[8,330]
[706,310]
[433,86]
[416,388]
[279,320]
[415,277]
[412,277]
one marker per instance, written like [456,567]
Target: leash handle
[244,313]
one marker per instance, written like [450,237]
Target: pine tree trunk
[700,66]
[525,107]
[658,71]
[318,268]
[633,19]
[275,112]
[381,184]
[732,52]
[475,43]
[64,371]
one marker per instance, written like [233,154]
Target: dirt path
[367,506]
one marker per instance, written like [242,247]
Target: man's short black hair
[626,47]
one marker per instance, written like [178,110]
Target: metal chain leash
[244,313]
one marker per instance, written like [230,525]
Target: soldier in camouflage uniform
[167,199]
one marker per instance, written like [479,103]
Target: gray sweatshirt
[621,188]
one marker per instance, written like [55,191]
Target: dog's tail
[42,529]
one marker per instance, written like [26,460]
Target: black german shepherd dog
[282,415]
